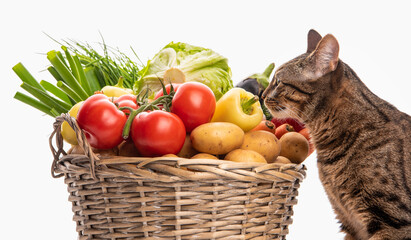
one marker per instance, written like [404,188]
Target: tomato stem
[127,126]
[164,100]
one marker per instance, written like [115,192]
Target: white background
[374,40]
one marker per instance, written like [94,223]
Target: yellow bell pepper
[66,131]
[116,90]
[239,107]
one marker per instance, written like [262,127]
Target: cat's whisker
[297,112]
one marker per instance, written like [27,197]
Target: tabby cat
[363,142]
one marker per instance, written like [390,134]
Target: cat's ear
[325,55]
[312,40]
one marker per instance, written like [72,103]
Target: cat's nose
[265,93]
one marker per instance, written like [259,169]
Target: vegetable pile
[182,103]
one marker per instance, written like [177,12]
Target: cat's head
[304,83]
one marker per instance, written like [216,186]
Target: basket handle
[81,139]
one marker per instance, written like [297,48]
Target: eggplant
[256,84]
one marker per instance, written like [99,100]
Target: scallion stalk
[66,75]
[25,76]
[55,91]
[54,112]
[54,73]
[60,56]
[34,103]
[82,76]
[69,91]
[60,106]
[92,79]
[71,62]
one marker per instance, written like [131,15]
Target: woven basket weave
[174,198]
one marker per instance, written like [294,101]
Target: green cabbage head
[198,64]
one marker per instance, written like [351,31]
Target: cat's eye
[277,81]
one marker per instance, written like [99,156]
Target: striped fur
[363,142]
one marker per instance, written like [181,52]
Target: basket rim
[171,168]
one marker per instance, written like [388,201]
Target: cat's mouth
[276,109]
[273,105]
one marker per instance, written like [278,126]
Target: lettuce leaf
[197,63]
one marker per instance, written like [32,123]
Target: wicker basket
[174,198]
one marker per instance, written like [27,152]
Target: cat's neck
[350,106]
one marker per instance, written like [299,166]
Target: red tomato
[101,122]
[306,133]
[194,103]
[298,126]
[168,89]
[130,97]
[157,133]
[127,100]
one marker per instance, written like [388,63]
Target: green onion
[55,91]
[60,56]
[25,76]
[34,103]
[92,79]
[73,66]
[54,112]
[66,74]
[82,76]
[108,69]
[55,74]
[69,91]
[60,106]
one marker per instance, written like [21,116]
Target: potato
[242,155]
[170,155]
[204,156]
[281,159]
[263,142]
[294,146]
[217,137]
[187,151]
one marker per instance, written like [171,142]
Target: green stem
[72,65]
[266,112]
[25,76]
[247,104]
[133,113]
[69,91]
[92,79]
[54,112]
[267,72]
[82,76]
[60,106]
[127,126]
[120,82]
[54,73]
[60,56]
[34,103]
[55,91]
[66,74]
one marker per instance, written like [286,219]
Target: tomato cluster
[154,130]
[286,125]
